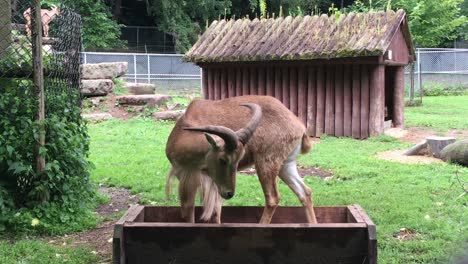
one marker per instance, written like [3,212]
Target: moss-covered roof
[300,38]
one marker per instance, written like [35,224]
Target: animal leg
[291,177]
[187,192]
[267,179]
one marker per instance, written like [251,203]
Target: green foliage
[439,89]
[119,86]
[61,194]
[99,30]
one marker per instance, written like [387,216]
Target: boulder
[456,152]
[140,88]
[97,116]
[106,70]
[150,100]
[96,87]
[169,115]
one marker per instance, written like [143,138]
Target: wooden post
[320,120]
[224,84]
[216,83]
[253,81]
[339,101]
[205,83]
[311,101]
[302,95]
[231,82]
[211,83]
[261,81]
[270,89]
[293,90]
[5,26]
[245,81]
[356,123]
[399,97]
[365,101]
[278,92]
[285,86]
[348,101]
[330,101]
[238,81]
[38,80]
[377,102]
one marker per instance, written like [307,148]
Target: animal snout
[227,195]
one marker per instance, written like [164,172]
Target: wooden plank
[118,249]
[311,101]
[238,81]
[253,81]
[278,82]
[231,82]
[302,95]
[261,81]
[211,83]
[339,101]
[399,98]
[347,101]
[270,81]
[356,85]
[365,101]
[293,90]
[205,84]
[330,100]
[377,104]
[224,84]
[245,81]
[320,124]
[217,84]
[285,86]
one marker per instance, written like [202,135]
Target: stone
[107,70]
[140,88]
[97,116]
[143,99]
[168,115]
[96,87]
[436,144]
[456,152]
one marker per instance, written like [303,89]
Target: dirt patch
[418,134]
[303,171]
[405,234]
[99,239]
[398,156]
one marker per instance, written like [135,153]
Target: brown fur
[276,136]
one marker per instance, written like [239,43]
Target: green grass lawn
[423,198]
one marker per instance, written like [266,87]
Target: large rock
[106,70]
[96,87]
[169,115]
[144,99]
[140,88]
[456,152]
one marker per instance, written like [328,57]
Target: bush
[63,193]
[437,89]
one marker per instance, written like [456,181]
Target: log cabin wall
[335,99]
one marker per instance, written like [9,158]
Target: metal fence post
[418,59]
[134,69]
[149,67]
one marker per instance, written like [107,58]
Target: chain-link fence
[168,72]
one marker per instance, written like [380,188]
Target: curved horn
[246,133]
[228,135]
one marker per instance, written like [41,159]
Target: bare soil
[418,134]
[405,234]
[398,156]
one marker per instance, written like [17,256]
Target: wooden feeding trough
[150,234]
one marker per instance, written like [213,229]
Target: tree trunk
[436,144]
[416,148]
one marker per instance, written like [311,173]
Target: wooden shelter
[343,76]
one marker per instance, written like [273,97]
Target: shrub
[438,89]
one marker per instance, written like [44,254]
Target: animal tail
[189,181]
[306,145]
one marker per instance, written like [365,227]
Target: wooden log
[347,101]
[285,86]
[253,81]
[311,101]
[330,101]
[399,98]
[238,81]
[270,81]
[245,81]
[205,83]
[414,150]
[231,82]
[302,95]
[217,84]
[320,124]
[377,104]
[224,84]
[293,90]
[365,101]
[261,81]
[436,144]
[278,82]
[339,114]
[356,86]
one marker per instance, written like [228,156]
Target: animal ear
[212,141]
